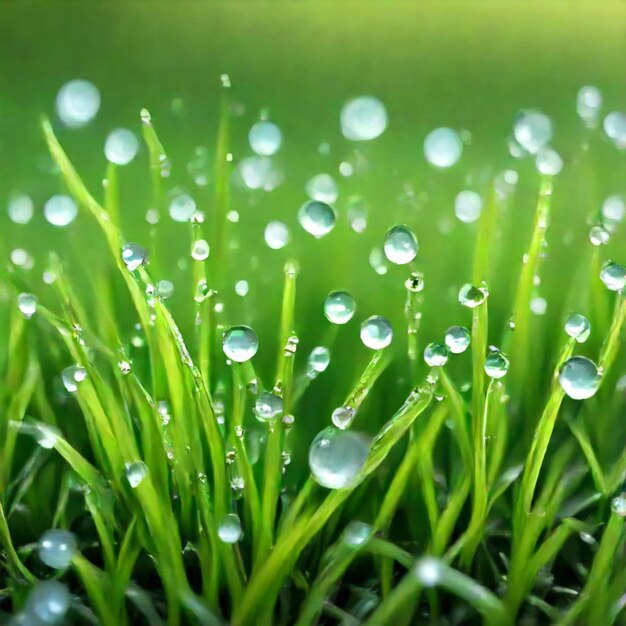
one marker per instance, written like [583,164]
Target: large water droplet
[27,304]
[47,603]
[436,354]
[443,147]
[363,118]
[77,103]
[428,570]
[268,406]
[471,296]
[342,416]
[577,326]
[57,548]
[323,188]
[136,473]
[72,376]
[579,377]
[317,218]
[265,138]
[240,343]
[60,210]
[121,146]
[532,130]
[613,275]
[468,206]
[337,456]
[339,307]
[400,245]
[134,256]
[376,332]
[276,235]
[457,339]
[20,209]
[496,365]
[229,529]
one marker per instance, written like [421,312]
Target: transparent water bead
[229,529]
[376,332]
[548,162]
[429,571]
[22,258]
[415,282]
[77,103]
[20,209]
[121,146]
[579,377]
[124,367]
[577,326]
[47,603]
[317,218]
[614,209]
[615,128]
[27,304]
[538,305]
[323,188]
[532,130]
[443,147]
[343,416]
[400,245]
[613,275]
[57,547]
[599,236]
[468,206]
[618,505]
[182,207]
[319,359]
[242,288]
[72,376]
[436,354]
[496,365]
[200,250]
[339,307]
[457,339]
[134,256]
[257,172]
[357,533]
[337,456]
[60,210]
[240,343]
[268,406]
[363,118]
[136,473]
[165,288]
[276,235]
[471,296]
[588,104]
[265,138]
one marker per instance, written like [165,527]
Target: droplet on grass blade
[599,236]
[229,529]
[496,365]
[343,416]
[322,188]
[240,343]
[317,218]
[77,103]
[57,547]
[429,571]
[121,146]
[579,377]
[457,339]
[60,210]
[363,118]
[577,327]
[613,275]
[136,473]
[468,206]
[27,304]
[618,505]
[268,406]
[436,354]
[357,533]
[471,296]
[72,376]
[47,603]
[339,307]
[200,250]
[376,332]
[400,245]
[443,147]
[20,209]
[319,359]
[614,209]
[532,130]
[134,256]
[265,138]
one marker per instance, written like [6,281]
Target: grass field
[480,500]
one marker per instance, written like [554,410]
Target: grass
[473,506]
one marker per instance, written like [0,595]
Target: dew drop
[72,376]
[319,359]
[134,256]
[265,138]
[614,209]
[342,416]
[496,365]
[47,603]
[471,296]
[124,367]
[165,289]
[57,548]
[20,209]
[136,473]
[457,339]
[242,288]
[588,104]
[400,245]
[276,235]
[27,304]
[200,250]
[322,188]
[468,206]
[60,210]
[443,147]
[363,118]
[577,326]
[618,505]
[538,305]
[436,354]
[548,162]
[121,146]
[229,529]
[182,207]
[615,128]
[376,332]
[599,236]
[257,172]
[339,307]
[22,259]
[579,377]
[429,571]
[613,275]
[317,218]
[377,261]
[268,406]
[77,103]
[357,533]
[240,343]
[532,130]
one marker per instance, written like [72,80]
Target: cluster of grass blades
[463,508]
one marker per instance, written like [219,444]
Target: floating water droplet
[22,259]
[47,603]
[614,209]
[200,250]
[265,138]
[72,376]
[242,288]
[613,275]
[134,256]
[376,332]
[538,305]
[121,146]
[428,570]
[136,473]
[268,406]
[182,207]
[322,188]
[599,236]
[319,359]
[20,209]
[276,235]
[532,130]
[337,456]
[618,505]
[615,128]
[363,118]
[240,343]
[577,326]
[57,548]
[342,416]
[436,354]
[548,162]
[443,147]
[339,307]
[496,365]
[471,296]
[27,304]
[400,245]
[317,218]
[457,339]
[579,377]
[357,533]
[588,104]
[77,103]
[229,529]
[60,210]
[468,206]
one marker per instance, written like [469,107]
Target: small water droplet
[471,296]
[242,288]
[376,332]
[318,361]
[77,103]
[72,376]
[317,218]
[548,161]
[342,416]
[599,236]
[268,406]
[468,206]
[363,118]
[415,282]
[27,304]
[265,138]
[588,104]
[538,305]
[532,130]
[579,377]
[200,250]
[377,261]
[357,533]
[240,343]
[136,473]
[400,245]
[436,354]
[614,209]
[276,235]
[443,147]
[229,529]
[47,603]
[121,146]
[615,128]
[182,207]
[428,570]
[457,339]
[322,188]
[57,547]
[60,210]
[339,307]
[613,275]
[20,209]
[577,326]
[134,256]
[618,505]
[124,367]
[496,365]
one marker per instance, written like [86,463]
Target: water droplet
[136,473]
[257,172]
[579,377]
[342,416]
[337,456]
[72,376]
[60,210]
[457,339]
[242,288]
[506,182]
[377,261]
[121,146]
[165,289]
[376,332]
[363,118]
[588,104]
[357,533]
[57,547]
[615,128]
[415,282]
[443,147]
[496,365]
[436,354]
[47,603]
[200,250]
[577,327]
[20,209]
[77,103]
[268,406]
[428,570]
[276,235]
[22,259]
[599,236]
[468,206]
[339,307]
[532,130]
[27,304]
[124,367]
[182,207]
[400,245]
[319,359]
[240,343]
[613,275]
[471,296]
[614,209]
[618,505]
[548,162]
[322,188]
[229,529]
[317,218]
[134,256]
[538,305]
[265,138]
